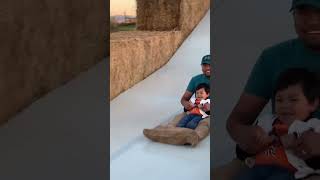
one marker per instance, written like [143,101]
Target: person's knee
[191,125]
[180,125]
[183,122]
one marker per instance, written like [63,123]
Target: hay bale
[166,15]
[45,44]
[191,12]
[158,15]
[135,55]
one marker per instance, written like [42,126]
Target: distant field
[122,27]
[129,27]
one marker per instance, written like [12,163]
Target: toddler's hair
[204,86]
[299,76]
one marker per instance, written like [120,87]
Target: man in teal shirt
[301,52]
[195,81]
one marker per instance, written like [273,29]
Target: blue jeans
[266,172]
[190,121]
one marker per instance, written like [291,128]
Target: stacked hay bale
[135,55]
[45,44]
[166,15]
[158,15]
[191,12]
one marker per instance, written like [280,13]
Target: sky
[118,7]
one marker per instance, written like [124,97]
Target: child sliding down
[196,114]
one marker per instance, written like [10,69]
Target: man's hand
[288,141]
[308,145]
[239,124]
[189,105]
[185,101]
[256,139]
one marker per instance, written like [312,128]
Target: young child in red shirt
[296,98]
[196,114]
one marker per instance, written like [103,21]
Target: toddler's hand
[288,141]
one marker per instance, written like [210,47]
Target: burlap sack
[170,134]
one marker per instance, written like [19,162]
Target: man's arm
[239,123]
[185,100]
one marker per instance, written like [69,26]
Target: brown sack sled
[170,134]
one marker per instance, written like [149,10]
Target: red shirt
[275,153]
[196,110]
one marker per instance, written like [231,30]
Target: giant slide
[156,100]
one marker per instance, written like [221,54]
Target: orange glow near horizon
[119,7]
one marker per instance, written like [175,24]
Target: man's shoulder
[199,76]
[282,48]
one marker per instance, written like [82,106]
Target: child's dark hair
[308,80]
[204,86]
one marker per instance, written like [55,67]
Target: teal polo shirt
[196,80]
[274,60]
